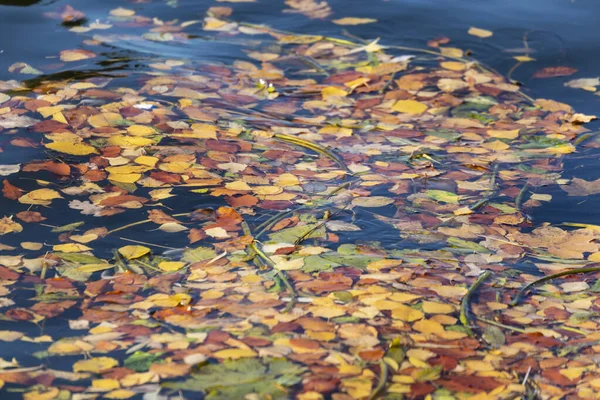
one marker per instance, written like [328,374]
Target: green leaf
[494,336]
[443,196]
[140,361]
[79,258]
[198,254]
[290,235]
[235,379]
[68,227]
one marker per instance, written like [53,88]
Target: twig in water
[526,376]
[145,221]
[575,271]
[500,325]
[464,305]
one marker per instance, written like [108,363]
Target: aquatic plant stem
[464,305]
[145,221]
[575,271]
[383,377]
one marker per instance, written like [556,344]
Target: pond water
[552,33]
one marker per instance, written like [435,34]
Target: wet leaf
[353,21]
[132,252]
[482,33]
[551,72]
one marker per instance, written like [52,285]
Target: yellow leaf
[122,12]
[267,190]
[573,373]
[594,257]
[124,178]
[482,33]
[95,364]
[127,169]
[48,111]
[428,326]
[451,52]
[170,266]
[7,225]
[75,149]
[356,83]
[454,65]
[496,145]
[29,245]
[120,394]
[455,292]
[512,134]
[76,55]
[463,211]
[70,248]
[64,348]
[523,58]
[133,251]
[406,313]
[129,141]
[237,185]
[164,300]
[84,238]
[562,149]
[409,107]
[432,307]
[353,21]
[60,118]
[176,167]
[287,179]
[105,384]
[140,130]
[104,119]
[335,130]
[235,354]
[82,85]
[332,91]
[383,264]
[49,394]
[40,197]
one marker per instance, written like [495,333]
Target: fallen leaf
[482,33]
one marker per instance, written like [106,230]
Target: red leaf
[551,72]
[10,191]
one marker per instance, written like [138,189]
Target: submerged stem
[464,305]
[575,271]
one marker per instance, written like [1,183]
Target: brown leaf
[581,187]
[551,72]
[10,191]
[196,235]
[160,217]
[30,216]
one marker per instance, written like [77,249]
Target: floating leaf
[132,252]
[95,364]
[76,149]
[353,21]
[482,33]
